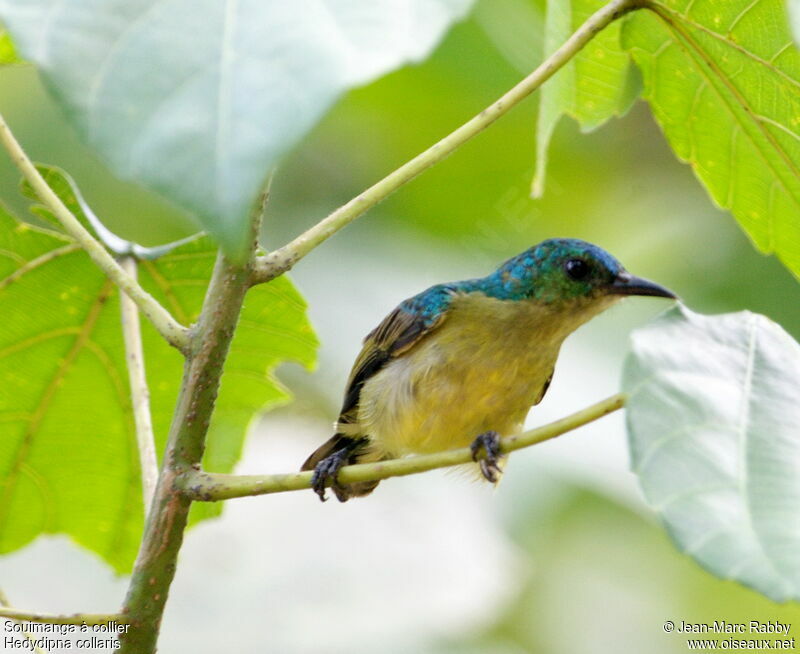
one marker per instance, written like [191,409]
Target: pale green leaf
[714,430]
[597,84]
[723,80]
[68,459]
[198,99]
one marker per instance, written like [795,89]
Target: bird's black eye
[577,269]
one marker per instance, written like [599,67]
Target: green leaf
[64,187]
[8,54]
[68,458]
[714,430]
[597,84]
[723,80]
[199,100]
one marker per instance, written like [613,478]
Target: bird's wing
[547,383]
[398,333]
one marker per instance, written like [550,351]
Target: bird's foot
[326,473]
[489,442]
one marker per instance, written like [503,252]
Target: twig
[175,333]
[212,487]
[140,393]
[89,619]
[279,261]
[4,603]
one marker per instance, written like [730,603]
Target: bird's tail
[360,452]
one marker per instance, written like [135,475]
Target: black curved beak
[627,284]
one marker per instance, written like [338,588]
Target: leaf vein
[732,163]
[39,338]
[686,494]
[692,47]
[104,69]
[222,132]
[39,261]
[166,288]
[657,6]
[781,50]
[741,15]
[47,397]
[670,436]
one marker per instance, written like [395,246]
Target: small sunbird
[462,363]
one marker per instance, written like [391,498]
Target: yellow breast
[481,370]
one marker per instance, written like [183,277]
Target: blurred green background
[563,557]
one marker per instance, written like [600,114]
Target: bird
[462,363]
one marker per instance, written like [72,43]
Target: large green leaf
[68,459]
[723,80]
[197,99]
[714,429]
[597,84]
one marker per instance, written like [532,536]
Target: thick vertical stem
[155,564]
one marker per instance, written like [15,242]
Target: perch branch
[210,487]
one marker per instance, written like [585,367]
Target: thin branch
[257,219]
[140,393]
[175,333]
[279,261]
[89,619]
[211,487]
[4,603]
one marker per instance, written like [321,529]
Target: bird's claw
[326,473]
[489,442]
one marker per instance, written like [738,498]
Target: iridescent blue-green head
[566,271]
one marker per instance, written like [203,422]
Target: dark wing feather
[400,331]
[545,387]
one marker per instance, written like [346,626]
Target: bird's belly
[433,400]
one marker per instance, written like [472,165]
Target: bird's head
[569,272]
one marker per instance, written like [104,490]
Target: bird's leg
[326,472]
[489,442]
